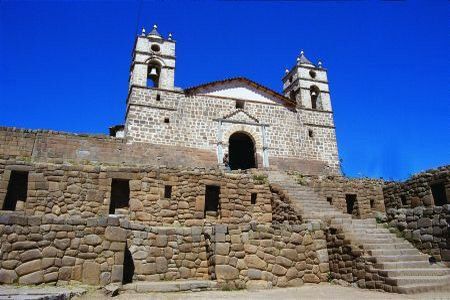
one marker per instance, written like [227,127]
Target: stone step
[418,280]
[170,286]
[402,265]
[422,288]
[396,258]
[381,252]
[431,271]
[387,240]
[403,245]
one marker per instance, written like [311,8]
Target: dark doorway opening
[128,266]
[350,199]
[439,194]
[212,193]
[253,198]
[168,191]
[241,151]
[403,199]
[120,194]
[330,200]
[17,189]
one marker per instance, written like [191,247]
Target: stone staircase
[405,268]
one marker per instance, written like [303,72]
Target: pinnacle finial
[143,31]
[170,36]
[298,59]
[302,52]
[155,26]
[319,64]
[286,71]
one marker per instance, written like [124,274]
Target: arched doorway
[241,151]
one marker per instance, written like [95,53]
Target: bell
[153,72]
[313,93]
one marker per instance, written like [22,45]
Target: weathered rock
[224,272]
[91,272]
[254,261]
[92,239]
[115,234]
[28,267]
[7,276]
[32,278]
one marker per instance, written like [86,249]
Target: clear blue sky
[65,65]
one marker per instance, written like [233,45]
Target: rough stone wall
[427,228]
[367,191]
[283,210]
[85,191]
[348,262]
[266,256]
[58,147]
[193,123]
[46,249]
[416,191]
[411,209]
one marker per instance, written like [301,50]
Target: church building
[255,125]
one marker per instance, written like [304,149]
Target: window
[154,70]
[166,120]
[312,74]
[120,194]
[293,95]
[291,79]
[330,200]
[253,198]
[212,193]
[310,133]
[158,97]
[17,189]
[315,96]
[372,203]
[350,199]
[403,199]
[439,194]
[168,191]
[239,104]
[155,48]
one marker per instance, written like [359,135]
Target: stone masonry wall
[265,256]
[411,209]
[58,147]
[193,122]
[349,262]
[46,249]
[369,192]
[85,191]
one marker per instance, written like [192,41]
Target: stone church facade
[293,130]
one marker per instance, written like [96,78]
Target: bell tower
[307,85]
[153,63]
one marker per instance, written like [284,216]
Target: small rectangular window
[330,200]
[212,193]
[439,194]
[166,120]
[239,104]
[168,191]
[253,198]
[158,97]
[372,203]
[17,189]
[120,194]
[350,199]
[403,199]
